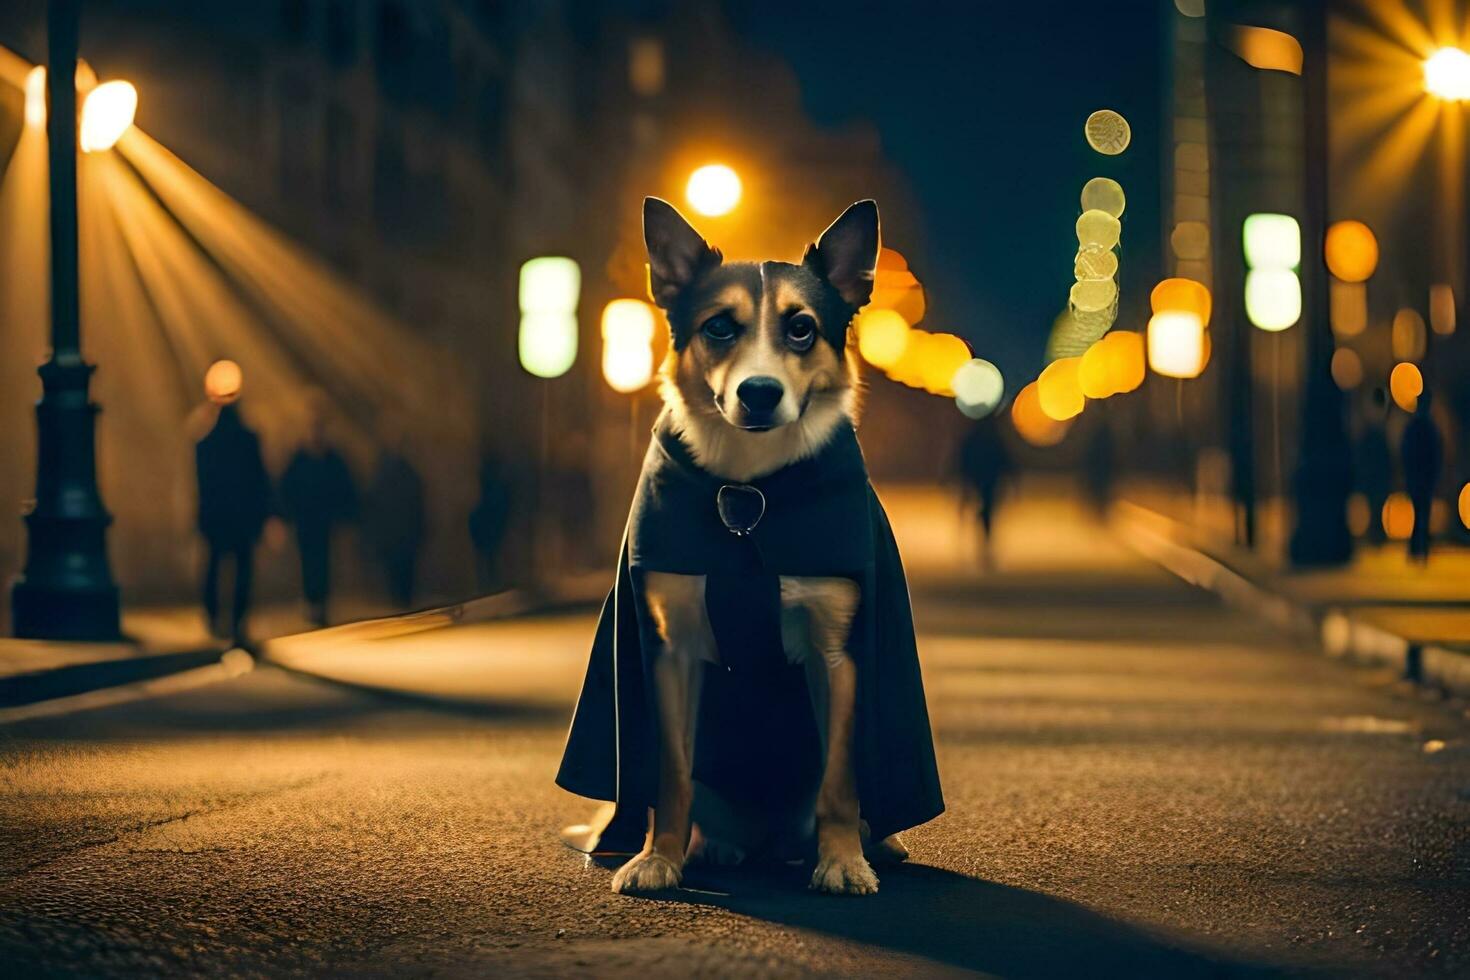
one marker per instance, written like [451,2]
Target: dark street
[1139,782]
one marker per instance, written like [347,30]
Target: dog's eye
[721,328]
[801,331]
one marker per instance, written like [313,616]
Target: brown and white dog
[759,376]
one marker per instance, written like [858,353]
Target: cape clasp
[741,508]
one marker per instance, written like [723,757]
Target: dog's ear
[676,252]
[847,253]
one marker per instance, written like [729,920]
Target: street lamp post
[66,590]
[1320,534]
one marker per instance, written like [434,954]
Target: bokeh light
[713,190]
[36,97]
[1351,250]
[1408,335]
[550,287]
[1273,298]
[941,355]
[1098,228]
[1359,515]
[1104,194]
[1348,302]
[107,113]
[223,382]
[1347,368]
[978,388]
[1176,344]
[1190,8]
[1398,516]
[1442,309]
[1059,389]
[1095,262]
[628,327]
[1447,75]
[1184,296]
[883,336]
[1462,505]
[895,287]
[1092,295]
[1031,423]
[1272,241]
[1267,49]
[1190,240]
[1107,132]
[1405,384]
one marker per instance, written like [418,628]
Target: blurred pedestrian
[317,494]
[1373,462]
[234,502]
[489,521]
[1422,456]
[1098,466]
[393,519]
[984,464]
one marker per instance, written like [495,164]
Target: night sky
[982,106]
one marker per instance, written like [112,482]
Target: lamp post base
[66,591]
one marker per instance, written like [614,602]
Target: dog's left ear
[847,253]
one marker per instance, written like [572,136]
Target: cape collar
[839,461]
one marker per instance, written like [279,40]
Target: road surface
[1139,783]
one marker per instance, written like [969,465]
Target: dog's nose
[760,394]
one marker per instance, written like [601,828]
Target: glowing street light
[549,290]
[713,190]
[628,326]
[1176,344]
[107,113]
[1447,75]
[223,381]
[36,97]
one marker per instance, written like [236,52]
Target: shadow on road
[963,921]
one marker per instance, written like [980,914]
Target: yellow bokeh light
[978,388]
[1405,384]
[1092,295]
[1190,240]
[1348,304]
[1347,368]
[627,367]
[714,189]
[1447,75]
[1463,505]
[223,381]
[896,288]
[1352,251]
[107,113]
[1442,309]
[1273,298]
[1031,423]
[1107,132]
[36,97]
[883,336]
[1127,360]
[1408,335]
[628,326]
[1398,516]
[1059,389]
[1098,228]
[1267,49]
[941,356]
[1176,344]
[1095,376]
[1104,194]
[1183,296]
[1358,514]
[1095,262]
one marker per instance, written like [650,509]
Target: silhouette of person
[317,493]
[984,465]
[489,521]
[234,503]
[1373,462]
[1098,467]
[393,518]
[1422,455]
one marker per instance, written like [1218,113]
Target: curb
[1336,632]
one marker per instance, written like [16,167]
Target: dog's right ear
[676,252]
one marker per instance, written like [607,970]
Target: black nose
[760,395]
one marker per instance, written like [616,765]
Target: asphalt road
[1139,783]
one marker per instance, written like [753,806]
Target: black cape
[756,736]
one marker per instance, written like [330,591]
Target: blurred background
[361,204]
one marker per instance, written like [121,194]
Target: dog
[759,375]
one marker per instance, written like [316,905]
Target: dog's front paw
[712,852]
[646,872]
[844,875]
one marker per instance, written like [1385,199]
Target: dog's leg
[829,605]
[676,603]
